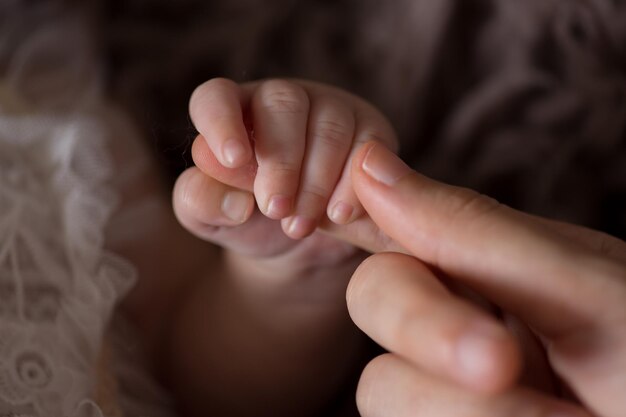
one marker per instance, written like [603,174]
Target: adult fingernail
[477,351]
[384,166]
[233,153]
[341,213]
[236,206]
[278,207]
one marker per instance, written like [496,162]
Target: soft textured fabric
[524,100]
[61,352]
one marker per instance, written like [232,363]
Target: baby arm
[267,332]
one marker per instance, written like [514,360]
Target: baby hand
[289,142]
[275,304]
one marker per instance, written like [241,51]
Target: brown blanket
[521,99]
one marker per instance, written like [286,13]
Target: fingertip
[278,206]
[215,108]
[487,358]
[235,153]
[343,212]
[298,227]
[201,203]
[344,206]
[237,206]
[383,166]
[361,153]
[340,212]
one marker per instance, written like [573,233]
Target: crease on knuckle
[333,134]
[383,241]
[468,208]
[371,134]
[282,168]
[283,97]
[382,131]
[610,246]
[315,192]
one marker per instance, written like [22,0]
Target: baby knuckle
[283,167]
[333,133]
[280,96]
[316,194]
[377,135]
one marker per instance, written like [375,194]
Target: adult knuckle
[280,96]
[611,246]
[610,284]
[468,207]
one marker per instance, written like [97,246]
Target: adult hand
[565,285]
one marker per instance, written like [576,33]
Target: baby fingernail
[278,207]
[384,166]
[233,153]
[300,227]
[236,206]
[341,213]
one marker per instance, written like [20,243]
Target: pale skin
[272,164]
[286,331]
[450,358]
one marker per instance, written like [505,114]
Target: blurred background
[522,100]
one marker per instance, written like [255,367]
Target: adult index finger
[553,283]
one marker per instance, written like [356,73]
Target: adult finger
[401,304]
[602,243]
[572,295]
[393,387]
[514,261]
[216,109]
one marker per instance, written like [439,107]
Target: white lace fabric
[60,354]
[58,285]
